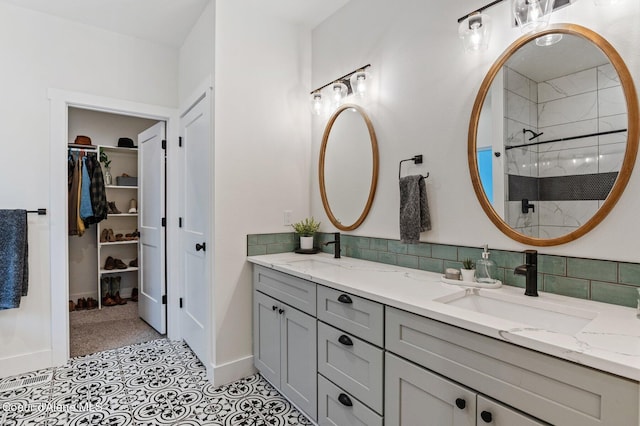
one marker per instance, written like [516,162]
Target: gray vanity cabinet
[285,339]
[416,396]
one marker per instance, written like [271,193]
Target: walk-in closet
[104,238]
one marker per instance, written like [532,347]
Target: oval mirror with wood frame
[553,135]
[348,167]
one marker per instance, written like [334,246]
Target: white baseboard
[232,371]
[25,363]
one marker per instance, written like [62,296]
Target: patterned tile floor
[154,383]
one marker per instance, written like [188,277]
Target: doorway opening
[106,271]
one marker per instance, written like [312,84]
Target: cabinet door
[266,337]
[298,379]
[495,414]
[415,396]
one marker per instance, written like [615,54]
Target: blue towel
[414,209]
[85,195]
[14,252]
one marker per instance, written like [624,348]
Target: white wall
[41,52]
[427,86]
[262,150]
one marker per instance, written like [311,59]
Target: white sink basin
[522,309]
[312,264]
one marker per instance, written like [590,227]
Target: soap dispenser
[486,269]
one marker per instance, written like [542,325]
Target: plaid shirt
[98,193]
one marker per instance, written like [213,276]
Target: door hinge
[164,221]
[164,144]
[180,141]
[181,302]
[164,299]
[179,222]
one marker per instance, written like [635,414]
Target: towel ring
[417,159]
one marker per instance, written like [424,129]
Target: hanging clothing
[86,210]
[98,193]
[74,185]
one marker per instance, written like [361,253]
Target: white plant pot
[306,243]
[468,275]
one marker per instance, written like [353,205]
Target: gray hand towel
[414,210]
[14,251]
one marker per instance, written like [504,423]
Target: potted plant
[306,229]
[104,159]
[468,270]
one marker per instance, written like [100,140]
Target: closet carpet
[149,384]
[111,327]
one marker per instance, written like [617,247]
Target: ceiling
[169,21]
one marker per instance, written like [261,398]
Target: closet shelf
[115,243]
[120,187]
[116,271]
[118,148]
[110,215]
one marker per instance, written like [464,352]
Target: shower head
[534,134]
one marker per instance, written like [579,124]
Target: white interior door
[196,218]
[151,210]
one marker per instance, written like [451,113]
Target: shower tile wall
[521,112]
[585,102]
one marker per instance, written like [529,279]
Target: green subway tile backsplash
[600,270]
[600,280]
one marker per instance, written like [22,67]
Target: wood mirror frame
[374,174]
[632,135]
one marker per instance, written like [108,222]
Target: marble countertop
[609,342]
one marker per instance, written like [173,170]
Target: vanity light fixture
[532,15]
[475,31]
[357,82]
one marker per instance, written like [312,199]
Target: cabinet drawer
[553,390]
[333,412]
[351,363]
[360,317]
[501,415]
[296,292]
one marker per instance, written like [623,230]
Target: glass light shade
[548,40]
[316,103]
[338,93]
[532,15]
[475,31]
[360,83]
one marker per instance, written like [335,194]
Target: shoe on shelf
[112,209]
[119,264]
[108,301]
[110,264]
[110,237]
[133,206]
[134,294]
[134,263]
[119,300]
[119,237]
[72,306]
[104,235]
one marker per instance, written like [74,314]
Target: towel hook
[417,159]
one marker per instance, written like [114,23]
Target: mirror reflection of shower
[534,134]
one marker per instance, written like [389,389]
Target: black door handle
[345,340]
[343,298]
[345,400]
[281,311]
[486,416]
[202,247]
[274,307]
[461,403]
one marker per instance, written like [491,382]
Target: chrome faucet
[336,248]
[530,271]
